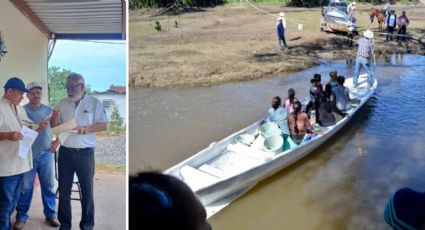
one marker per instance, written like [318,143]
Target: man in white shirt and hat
[76,153]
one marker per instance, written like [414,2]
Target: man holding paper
[12,166]
[43,161]
[76,154]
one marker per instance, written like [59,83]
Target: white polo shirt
[10,162]
[88,112]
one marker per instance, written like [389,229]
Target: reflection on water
[342,185]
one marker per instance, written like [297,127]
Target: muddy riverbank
[238,43]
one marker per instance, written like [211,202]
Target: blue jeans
[43,165]
[362,62]
[9,192]
[80,162]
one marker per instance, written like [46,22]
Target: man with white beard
[76,154]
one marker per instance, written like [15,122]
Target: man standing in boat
[364,52]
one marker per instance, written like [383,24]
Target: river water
[342,185]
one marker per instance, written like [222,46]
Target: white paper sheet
[26,143]
[65,127]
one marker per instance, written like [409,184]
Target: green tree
[116,122]
[57,82]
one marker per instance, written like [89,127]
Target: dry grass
[234,43]
[111,169]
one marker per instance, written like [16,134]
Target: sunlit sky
[102,63]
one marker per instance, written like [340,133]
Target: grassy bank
[238,42]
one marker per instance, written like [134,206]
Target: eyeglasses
[72,88]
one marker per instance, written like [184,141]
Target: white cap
[33,85]
[281,14]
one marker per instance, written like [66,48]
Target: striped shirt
[365,47]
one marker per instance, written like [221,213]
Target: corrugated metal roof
[85,19]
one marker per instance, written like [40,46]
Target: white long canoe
[225,170]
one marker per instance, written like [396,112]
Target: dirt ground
[238,42]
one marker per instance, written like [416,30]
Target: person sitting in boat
[327,118]
[327,93]
[278,115]
[316,91]
[299,123]
[161,202]
[289,101]
[333,75]
[341,99]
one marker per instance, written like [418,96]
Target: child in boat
[327,93]
[299,123]
[333,75]
[161,202]
[289,101]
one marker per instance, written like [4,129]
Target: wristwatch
[85,130]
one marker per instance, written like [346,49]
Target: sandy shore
[237,43]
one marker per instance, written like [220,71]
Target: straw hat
[354,3]
[368,34]
[281,14]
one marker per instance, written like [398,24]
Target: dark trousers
[402,31]
[10,186]
[81,162]
[282,42]
[390,31]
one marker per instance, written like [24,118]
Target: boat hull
[224,190]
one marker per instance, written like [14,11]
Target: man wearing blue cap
[43,161]
[12,166]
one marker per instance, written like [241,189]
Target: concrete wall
[26,48]
[119,100]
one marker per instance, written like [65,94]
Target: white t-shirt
[391,20]
[88,112]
